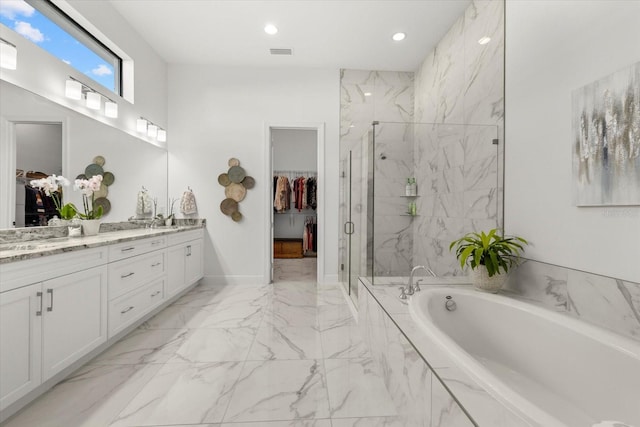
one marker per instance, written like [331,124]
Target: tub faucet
[416,288]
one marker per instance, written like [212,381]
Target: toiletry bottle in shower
[407,188]
[414,187]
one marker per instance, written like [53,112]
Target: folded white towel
[188,203]
[144,205]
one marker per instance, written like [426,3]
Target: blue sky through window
[34,26]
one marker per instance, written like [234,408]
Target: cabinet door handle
[124,276]
[157,242]
[189,250]
[155,293]
[127,249]
[156,264]
[39,295]
[127,309]
[50,292]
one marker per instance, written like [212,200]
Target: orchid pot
[90,227]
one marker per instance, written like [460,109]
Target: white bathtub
[548,367]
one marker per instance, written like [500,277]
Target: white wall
[553,48]
[222,112]
[295,149]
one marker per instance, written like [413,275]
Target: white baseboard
[329,279]
[232,280]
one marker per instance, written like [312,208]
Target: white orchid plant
[89,188]
[52,187]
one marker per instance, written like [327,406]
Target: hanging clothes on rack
[312,187]
[309,240]
[282,194]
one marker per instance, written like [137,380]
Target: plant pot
[483,283]
[90,227]
[168,222]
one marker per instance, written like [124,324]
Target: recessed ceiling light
[484,40]
[398,37]
[270,29]
[367,94]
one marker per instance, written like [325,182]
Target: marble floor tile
[295,269]
[90,397]
[143,346]
[287,423]
[332,316]
[281,315]
[279,390]
[357,390]
[369,422]
[344,342]
[217,316]
[215,345]
[182,393]
[286,343]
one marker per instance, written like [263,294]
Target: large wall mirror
[38,136]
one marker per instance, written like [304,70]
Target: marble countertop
[485,409]
[18,251]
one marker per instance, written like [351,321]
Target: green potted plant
[490,257]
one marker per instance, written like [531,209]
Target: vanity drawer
[128,308]
[128,274]
[185,236]
[136,247]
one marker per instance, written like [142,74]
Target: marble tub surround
[422,378]
[29,247]
[607,302]
[201,362]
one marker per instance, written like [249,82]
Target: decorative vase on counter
[90,227]
[168,222]
[482,282]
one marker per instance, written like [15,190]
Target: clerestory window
[44,24]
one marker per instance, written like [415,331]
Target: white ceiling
[353,34]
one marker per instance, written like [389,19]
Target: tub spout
[416,288]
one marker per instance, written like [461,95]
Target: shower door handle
[349,227]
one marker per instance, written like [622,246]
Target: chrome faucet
[416,288]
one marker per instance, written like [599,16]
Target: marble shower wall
[460,83]
[611,303]
[457,174]
[385,96]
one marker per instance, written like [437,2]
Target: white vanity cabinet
[58,309]
[185,260]
[136,283]
[20,342]
[48,325]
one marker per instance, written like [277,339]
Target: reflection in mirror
[134,163]
[38,155]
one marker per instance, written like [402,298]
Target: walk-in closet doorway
[295,166]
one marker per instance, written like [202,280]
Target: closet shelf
[296,213]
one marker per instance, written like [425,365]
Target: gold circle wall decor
[236,183]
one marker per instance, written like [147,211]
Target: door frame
[320,210]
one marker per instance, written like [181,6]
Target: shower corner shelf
[406,214]
[417,195]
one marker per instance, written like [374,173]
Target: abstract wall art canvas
[606,140]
